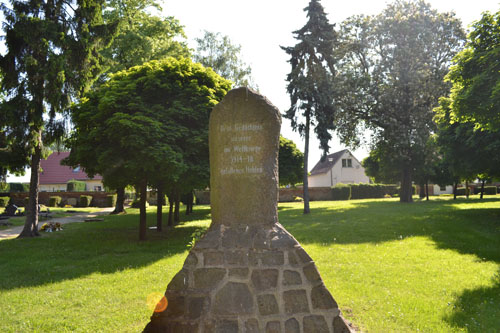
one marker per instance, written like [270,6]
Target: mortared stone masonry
[247,273]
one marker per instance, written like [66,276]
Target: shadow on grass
[466,230]
[85,248]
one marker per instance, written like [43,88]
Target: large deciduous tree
[393,76]
[291,162]
[52,56]
[311,82]
[148,124]
[218,52]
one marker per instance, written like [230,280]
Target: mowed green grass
[427,266]
[55,212]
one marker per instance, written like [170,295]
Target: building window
[97,188]
[347,163]
[76,170]
[442,188]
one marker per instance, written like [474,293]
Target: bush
[398,189]
[461,191]
[341,192]
[111,200]
[369,191]
[4,201]
[136,202]
[491,190]
[75,186]
[85,200]
[54,201]
[18,187]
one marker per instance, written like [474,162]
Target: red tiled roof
[55,173]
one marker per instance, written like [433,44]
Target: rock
[208,278]
[233,298]
[227,326]
[272,258]
[252,326]
[213,258]
[273,327]
[264,279]
[267,305]
[315,324]
[321,298]
[311,273]
[295,301]
[292,326]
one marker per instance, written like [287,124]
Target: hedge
[341,192]
[54,201]
[491,190]
[136,203]
[75,186]
[18,187]
[4,201]
[368,191]
[461,190]
[111,200]
[85,200]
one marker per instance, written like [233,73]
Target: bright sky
[261,26]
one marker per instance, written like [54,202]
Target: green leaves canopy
[291,162]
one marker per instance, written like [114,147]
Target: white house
[340,167]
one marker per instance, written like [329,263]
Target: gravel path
[15,231]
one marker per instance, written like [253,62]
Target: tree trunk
[467,189]
[171,210]
[120,201]
[427,190]
[482,188]
[177,207]
[406,185]
[189,203]
[307,210]
[159,207]
[421,193]
[455,185]
[142,210]
[31,223]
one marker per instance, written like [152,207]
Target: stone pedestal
[247,273]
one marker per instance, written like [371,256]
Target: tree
[52,57]
[142,36]
[310,82]
[291,162]
[380,167]
[144,125]
[475,95]
[392,76]
[218,52]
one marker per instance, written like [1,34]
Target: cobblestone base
[248,279]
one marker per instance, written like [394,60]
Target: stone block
[273,327]
[252,326]
[253,258]
[195,307]
[292,258]
[302,255]
[321,298]
[264,279]
[213,258]
[227,326]
[241,273]
[236,258]
[292,326]
[261,239]
[295,301]
[267,305]
[176,306]
[191,260]
[340,325]
[280,238]
[291,278]
[315,324]
[311,273]
[208,278]
[180,281]
[236,237]
[210,240]
[234,299]
[272,258]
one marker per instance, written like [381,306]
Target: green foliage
[217,52]
[54,201]
[365,191]
[490,190]
[195,236]
[75,186]
[291,162]
[4,201]
[111,200]
[341,192]
[18,187]
[85,201]
[399,55]
[462,191]
[136,203]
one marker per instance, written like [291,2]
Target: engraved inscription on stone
[244,144]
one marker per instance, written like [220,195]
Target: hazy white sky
[261,26]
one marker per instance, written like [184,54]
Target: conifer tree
[52,57]
[310,82]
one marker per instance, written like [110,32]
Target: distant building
[340,167]
[54,176]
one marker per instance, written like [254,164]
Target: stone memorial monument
[247,274]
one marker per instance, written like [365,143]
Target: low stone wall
[99,199]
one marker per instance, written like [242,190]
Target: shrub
[54,201]
[461,191]
[136,203]
[298,199]
[16,187]
[111,200]
[367,191]
[341,192]
[85,200]
[4,201]
[492,190]
[75,186]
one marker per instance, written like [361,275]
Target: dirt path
[15,231]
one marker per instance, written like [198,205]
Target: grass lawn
[428,266]
[54,212]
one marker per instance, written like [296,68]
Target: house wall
[437,190]
[90,185]
[338,174]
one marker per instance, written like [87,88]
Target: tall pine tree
[310,82]
[52,57]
